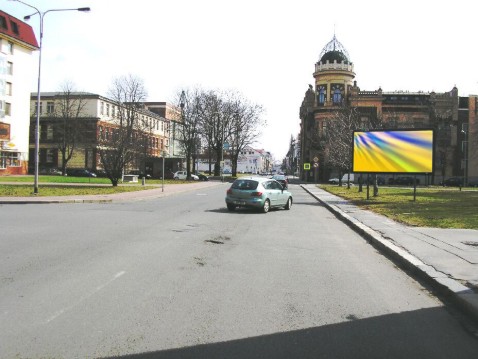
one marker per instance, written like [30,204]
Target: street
[182,277]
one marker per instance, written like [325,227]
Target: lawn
[22,186]
[433,207]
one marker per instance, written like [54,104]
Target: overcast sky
[264,49]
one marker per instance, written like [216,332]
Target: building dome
[334,51]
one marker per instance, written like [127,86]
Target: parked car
[258,193]
[345,178]
[403,180]
[50,171]
[182,175]
[80,172]
[380,179]
[453,181]
[202,177]
[473,183]
[140,174]
[283,180]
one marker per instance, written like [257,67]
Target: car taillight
[256,194]
[229,191]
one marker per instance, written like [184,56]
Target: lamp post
[37,123]
[164,153]
[464,148]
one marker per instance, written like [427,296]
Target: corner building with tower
[452,117]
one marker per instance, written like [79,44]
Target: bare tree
[189,125]
[245,127]
[123,140]
[67,116]
[216,113]
[339,141]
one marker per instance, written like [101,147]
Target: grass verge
[59,190]
[433,207]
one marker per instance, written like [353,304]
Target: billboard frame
[397,130]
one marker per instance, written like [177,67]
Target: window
[113,111]
[321,97]
[14,26]
[337,96]
[50,107]
[9,159]
[3,22]
[102,108]
[49,132]
[50,155]
[8,89]
[8,109]
[9,68]
[107,109]
[36,106]
[10,48]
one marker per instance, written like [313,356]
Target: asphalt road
[181,277]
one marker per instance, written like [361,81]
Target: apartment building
[96,119]
[17,70]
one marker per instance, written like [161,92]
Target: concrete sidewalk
[446,258]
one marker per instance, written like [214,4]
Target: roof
[17,30]
[334,50]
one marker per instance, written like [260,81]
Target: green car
[259,193]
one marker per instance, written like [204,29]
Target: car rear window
[245,185]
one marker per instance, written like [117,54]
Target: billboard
[393,151]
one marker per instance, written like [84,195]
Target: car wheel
[288,204]
[231,207]
[267,206]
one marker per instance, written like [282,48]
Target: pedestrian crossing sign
[306,166]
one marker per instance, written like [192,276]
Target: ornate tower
[334,74]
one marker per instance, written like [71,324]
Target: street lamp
[464,149]
[37,123]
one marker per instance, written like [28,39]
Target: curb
[461,295]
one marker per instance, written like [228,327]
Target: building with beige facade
[97,118]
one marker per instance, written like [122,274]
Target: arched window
[337,96]
[321,95]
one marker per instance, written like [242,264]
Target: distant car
[80,172]
[403,180]
[282,180]
[453,181]
[346,177]
[50,171]
[473,183]
[258,193]
[227,171]
[202,177]
[140,174]
[182,175]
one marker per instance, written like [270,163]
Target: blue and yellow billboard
[393,151]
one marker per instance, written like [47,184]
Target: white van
[345,178]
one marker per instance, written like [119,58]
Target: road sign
[316,165]
[316,159]
[306,166]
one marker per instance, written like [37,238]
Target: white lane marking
[61,311]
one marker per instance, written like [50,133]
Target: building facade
[452,117]
[96,118]
[17,43]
